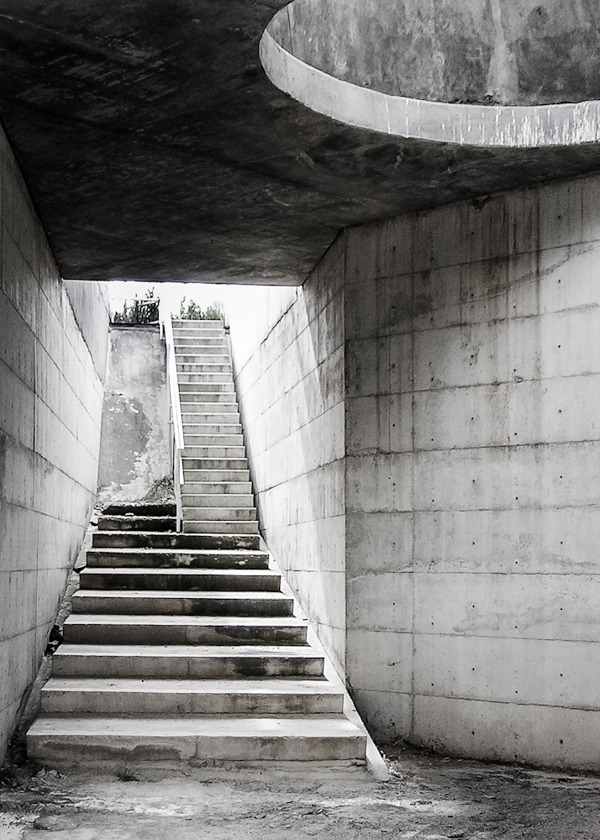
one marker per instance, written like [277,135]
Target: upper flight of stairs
[217,494]
[182,646]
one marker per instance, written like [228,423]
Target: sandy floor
[427,798]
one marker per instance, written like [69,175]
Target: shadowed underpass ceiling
[156,148]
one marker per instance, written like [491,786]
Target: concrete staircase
[182,646]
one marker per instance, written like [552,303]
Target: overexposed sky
[201,293]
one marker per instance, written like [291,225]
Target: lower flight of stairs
[182,646]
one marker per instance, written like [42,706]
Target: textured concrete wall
[50,405]
[136,437]
[474,51]
[473,449]
[288,358]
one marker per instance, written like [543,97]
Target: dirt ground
[427,798]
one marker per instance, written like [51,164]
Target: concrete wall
[288,359]
[473,449]
[136,437]
[51,398]
[470,505]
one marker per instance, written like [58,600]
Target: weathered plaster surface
[135,450]
[50,407]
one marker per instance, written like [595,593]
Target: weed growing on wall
[138,311]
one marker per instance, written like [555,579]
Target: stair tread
[257,595]
[187,620]
[188,651]
[150,572]
[209,726]
[237,553]
[246,685]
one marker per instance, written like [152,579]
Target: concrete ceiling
[155,148]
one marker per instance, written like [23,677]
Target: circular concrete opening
[478,72]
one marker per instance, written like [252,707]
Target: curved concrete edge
[534,126]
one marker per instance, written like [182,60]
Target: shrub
[138,311]
[191,311]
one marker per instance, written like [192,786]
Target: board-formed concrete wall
[50,408]
[471,503]
[289,364]
[473,452]
[135,455]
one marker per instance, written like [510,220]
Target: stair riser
[84,603]
[124,539]
[204,464]
[224,500]
[221,514]
[186,388]
[194,441]
[214,526]
[184,336]
[198,398]
[193,489]
[181,667]
[215,453]
[229,477]
[136,634]
[222,413]
[211,357]
[67,749]
[197,346]
[201,377]
[220,582]
[203,367]
[212,429]
[97,559]
[105,703]
[124,523]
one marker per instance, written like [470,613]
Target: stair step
[151,509]
[221,488]
[198,399]
[186,737]
[176,558]
[204,355]
[204,382]
[200,344]
[215,526]
[141,539]
[218,515]
[136,523]
[194,440]
[217,500]
[186,661]
[202,580]
[188,389]
[212,428]
[266,696]
[190,411]
[210,476]
[182,334]
[193,463]
[147,602]
[203,367]
[214,452]
[183,630]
